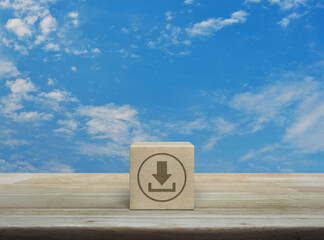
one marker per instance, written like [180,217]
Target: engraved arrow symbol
[162,172]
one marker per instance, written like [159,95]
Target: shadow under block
[162,175]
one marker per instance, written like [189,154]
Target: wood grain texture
[95,206]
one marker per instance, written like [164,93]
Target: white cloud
[21,86]
[10,104]
[212,25]
[55,99]
[133,55]
[8,69]
[172,34]
[74,69]
[26,103]
[59,96]
[40,39]
[21,90]
[75,51]
[305,122]
[288,4]
[51,81]
[216,127]
[33,7]
[297,106]
[210,142]
[125,30]
[151,44]
[259,153]
[187,127]
[270,103]
[48,25]
[34,25]
[187,42]
[307,131]
[12,143]
[168,16]
[56,167]
[24,166]
[286,20]
[170,39]
[110,128]
[283,4]
[74,16]
[52,47]
[68,126]
[116,126]
[188,1]
[123,52]
[33,19]
[220,128]
[110,121]
[17,26]
[96,50]
[247,156]
[134,28]
[108,149]
[30,20]
[79,52]
[18,166]
[16,46]
[31,116]
[27,23]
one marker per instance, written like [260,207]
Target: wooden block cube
[161,175]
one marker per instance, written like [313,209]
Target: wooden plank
[228,206]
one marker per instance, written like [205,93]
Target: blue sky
[241,80]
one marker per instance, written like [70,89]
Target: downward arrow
[162,172]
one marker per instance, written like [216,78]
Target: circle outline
[185,177]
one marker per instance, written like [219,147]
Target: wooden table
[228,206]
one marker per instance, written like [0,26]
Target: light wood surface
[229,206]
